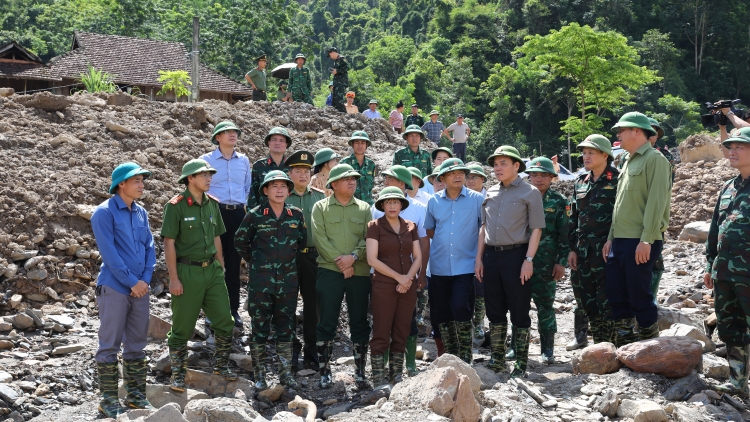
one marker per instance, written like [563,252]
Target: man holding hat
[300,84]
[452,222]
[412,155]
[231,186]
[434,129]
[362,165]
[371,112]
[592,202]
[728,266]
[269,238]
[257,79]
[277,141]
[414,118]
[551,257]
[438,155]
[460,136]
[639,219]
[126,245]
[512,223]
[339,227]
[304,196]
[340,72]
[191,230]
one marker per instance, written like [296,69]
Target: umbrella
[282,71]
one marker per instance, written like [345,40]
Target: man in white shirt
[372,113]
[459,138]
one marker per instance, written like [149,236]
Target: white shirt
[422,197]
[371,114]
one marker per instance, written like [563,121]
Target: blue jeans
[451,297]
[629,284]
[459,150]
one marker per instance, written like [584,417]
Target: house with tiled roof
[23,71]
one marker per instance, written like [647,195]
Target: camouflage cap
[435,151]
[452,164]
[194,167]
[300,159]
[597,142]
[391,192]
[222,127]
[124,172]
[340,171]
[416,173]
[507,151]
[279,131]
[541,165]
[400,173]
[635,119]
[324,155]
[360,135]
[413,129]
[738,135]
[274,175]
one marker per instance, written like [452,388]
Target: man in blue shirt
[231,185]
[126,245]
[452,222]
[372,113]
[434,128]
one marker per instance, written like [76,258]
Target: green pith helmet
[541,165]
[222,127]
[435,151]
[415,172]
[507,151]
[738,135]
[279,131]
[452,164]
[401,173]
[360,135]
[635,119]
[300,56]
[391,192]
[433,175]
[598,142]
[413,129]
[656,127]
[194,167]
[478,170]
[434,112]
[274,175]
[340,171]
[324,155]
[124,172]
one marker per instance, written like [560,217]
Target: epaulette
[176,199]
[317,189]
[609,174]
[289,212]
[212,197]
[265,211]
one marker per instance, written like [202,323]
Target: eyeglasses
[474,177]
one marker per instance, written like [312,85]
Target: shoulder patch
[213,197]
[568,211]
[176,199]
[289,212]
[265,211]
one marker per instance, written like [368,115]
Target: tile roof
[22,69]
[134,61]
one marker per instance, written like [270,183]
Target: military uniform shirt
[408,158]
[300,84]
[508,213]
[414,120]
[591,208]
[366,183]
[193,226]
[260,169]
[554,246]
[340,230]
[728,243]
[305,202]
[342,71]
[258,77]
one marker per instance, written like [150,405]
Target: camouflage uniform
[408,158]
[340,83]
[300,84]
[414,120]
[590,221]
[366,183]
[260,170]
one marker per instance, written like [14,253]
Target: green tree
[682,118]
[387,57]
[176,81]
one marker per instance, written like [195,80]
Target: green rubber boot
[109,376]
[510,354]
[284,352]
[450,337]
[325,350]
[134,381]
[464,331]
[178,359]
[478,320]
[498,332]
[547,343]
[624,332]
[411,356]
[649,332]
[377,362]
[522,352]
[258,355]
[221,358]
[737,384]
[396,368]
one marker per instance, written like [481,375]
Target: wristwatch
[355,256]
[530,258]
[648,243]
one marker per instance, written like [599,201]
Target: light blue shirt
[415,213]
[456,224]
[125,243]
[231,183]
[422,197]
[428,188]
[371,114]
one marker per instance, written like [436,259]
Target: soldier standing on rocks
[639,219]
[231,185]
[366,168]
[192,226]
[414,118]
[126,245]
[304,196]
[340,72]
[257,79]
[728,267]
[339,226]
[591,216]
[268,239]
[300,84]
[551,257]
[412,155]
[277,141]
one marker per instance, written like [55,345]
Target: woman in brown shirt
[393,251]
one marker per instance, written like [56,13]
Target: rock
[434,389]
[335,410]
[85,211]
[711,320]
[680,330]
[15,300]
[671,316]
[345,360]
[7,92]
[642,411]
[592,388]
[285,416]
[160,395]
[272,394]
[66,139]
[36,275]
[715,367]
[37,297]
[284,120]
[461,367]
[163,364]
[8,394]
[311,135]
[11,271]
[22,321]
[305,372]
[5,377]
[488,377]
[673,357]
[67,349]
[5,326]
[221,409]
[168,413]
[697,148]
[696,232]
[44,101]
[682,413]
[699,398]
[115,127]
[23,255]
[63,320]
[51,293]
[600,358]
[466,408]
[157,328]
[216,384]
[607,404]
[6,345]
[684,387]
[330,402]
[243,361]
[120,99]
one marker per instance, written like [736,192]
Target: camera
[716,117]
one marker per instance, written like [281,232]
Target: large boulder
[44,101]
[684,387]
[600,359]
[221,409]
[715,367]
[673,357]
[684,330]
[642,411]
[216,385]
[696,232]
[670,316]
[700,148]
[450,361]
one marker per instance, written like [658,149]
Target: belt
[308,250]
[261,90]
[231,207]
[506,247]
[195,263]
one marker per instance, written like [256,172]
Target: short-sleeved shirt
[433,130]
[508,213]
[459,132]
[193,226]
[371,114]
[422,197]
[396,119]
[415,213]
[258,77]
[231,183]
[305,202]
[394,249]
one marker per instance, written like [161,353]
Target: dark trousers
[434,317]
[732,311]
[331,286]
[266,309]
[259,95]
[307,272]
[124,322]
[392,315]
[629,284]
[452,297]
[459,150]
[503,290]
[232,260]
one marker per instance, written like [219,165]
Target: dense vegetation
[527,72]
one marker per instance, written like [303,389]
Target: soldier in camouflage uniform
[551,258]
[362,165]
[592,204]
[340,72]
[412,155]
[728,266]
[277,141]
[300,84]
[268,240]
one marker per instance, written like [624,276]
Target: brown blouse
[320,180]
[394,249]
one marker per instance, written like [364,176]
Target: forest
[539,75]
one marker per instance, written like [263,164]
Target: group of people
[308,224]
